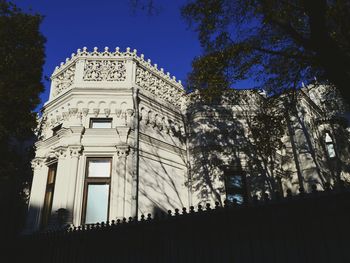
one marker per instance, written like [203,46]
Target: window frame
[95,181]
[229,190]
[48,200]
[100,120]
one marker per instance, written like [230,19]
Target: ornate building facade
[118,138]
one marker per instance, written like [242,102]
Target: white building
[118,138]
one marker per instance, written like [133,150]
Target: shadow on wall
[57,220]
[163,175]
[247,130]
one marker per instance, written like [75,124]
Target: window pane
[99,168]
[97,203]
[235,181]
[235,198]
[330,150]
[101,124]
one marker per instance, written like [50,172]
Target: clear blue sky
[68,25]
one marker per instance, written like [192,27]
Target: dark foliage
[22,58]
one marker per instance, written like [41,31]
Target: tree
[278,43]
[22,59]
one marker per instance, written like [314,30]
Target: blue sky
[164,38]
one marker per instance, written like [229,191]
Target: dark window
[101,123]
[96,190]
[235,186]
[56,129]
[50,186]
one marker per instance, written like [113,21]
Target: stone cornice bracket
[73,111]
[96,111]
[37,163]
[129,118]
[75,151]
[122,151]
[85,111]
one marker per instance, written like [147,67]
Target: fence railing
[305,228]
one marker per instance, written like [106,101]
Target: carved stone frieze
[63,81]
[104,70]
[157,86]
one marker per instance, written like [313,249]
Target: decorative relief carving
[37,163]
[64,80]
[61,152]
[157,86]
[75,151]
[129,118]
[122,151]
[104,70]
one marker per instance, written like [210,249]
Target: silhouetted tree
[22,58]
[276,43]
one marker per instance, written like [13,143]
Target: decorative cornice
[118,55]
[109,66]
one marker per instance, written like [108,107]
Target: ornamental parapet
[104,68]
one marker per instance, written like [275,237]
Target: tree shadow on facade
[246,131]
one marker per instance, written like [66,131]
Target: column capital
[75,151]
[61,152]
[37,163]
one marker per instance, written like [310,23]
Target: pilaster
[37,195]
[119,199]
[74,153]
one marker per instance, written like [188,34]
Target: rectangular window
[101,123]
[235,186]
[96,190]
[50,186]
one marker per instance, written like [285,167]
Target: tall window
[96,190]
[101,123]
[235,186]
[50,186]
